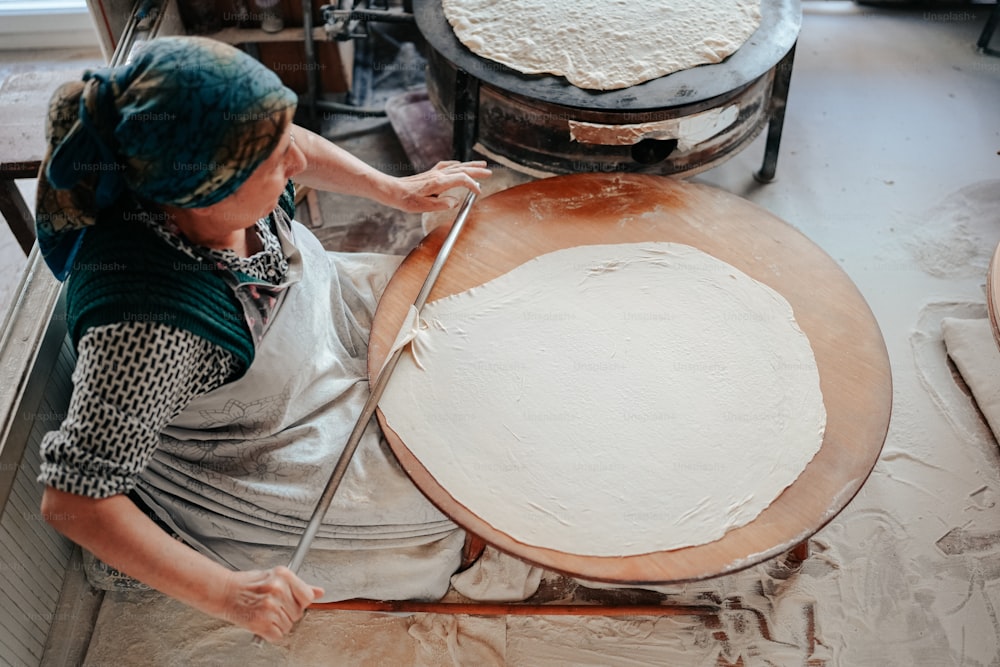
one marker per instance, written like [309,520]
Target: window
[41,6]
[41,24]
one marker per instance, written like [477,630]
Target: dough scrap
[603,44]
[611,400]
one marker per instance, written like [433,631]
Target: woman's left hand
[425,191]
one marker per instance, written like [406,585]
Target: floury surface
[890,163]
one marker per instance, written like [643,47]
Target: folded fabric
[971,346]
[497,577]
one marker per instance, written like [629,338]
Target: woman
[221,350]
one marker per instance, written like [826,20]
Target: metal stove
[682,123]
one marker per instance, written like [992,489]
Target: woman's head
[185,124]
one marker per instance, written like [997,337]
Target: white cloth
[239,471]
[497,577]
[971,346]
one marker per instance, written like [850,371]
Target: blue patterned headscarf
[184,123]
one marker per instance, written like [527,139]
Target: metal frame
[779,100]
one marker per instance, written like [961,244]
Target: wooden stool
[24,101]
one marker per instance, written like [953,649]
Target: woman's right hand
[267,602]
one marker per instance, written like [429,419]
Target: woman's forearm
[121,535]
[266,602]
[333,169]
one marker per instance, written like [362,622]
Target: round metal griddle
[532,122]
[778,30]
[516,225]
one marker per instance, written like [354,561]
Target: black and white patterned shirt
[133,378]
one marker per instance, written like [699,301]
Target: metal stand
[991,25]
[350,23]
[465,119]
[779,100]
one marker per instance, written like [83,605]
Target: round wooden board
[515,225]
[993,294]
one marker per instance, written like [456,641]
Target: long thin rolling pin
[373,398]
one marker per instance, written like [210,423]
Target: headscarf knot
[184,123]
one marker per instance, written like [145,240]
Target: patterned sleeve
[131,380]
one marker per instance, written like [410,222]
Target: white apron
[239,471]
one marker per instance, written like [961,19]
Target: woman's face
[223,224]
[258,195]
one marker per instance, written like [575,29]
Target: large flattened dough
[611,400]
[603,44]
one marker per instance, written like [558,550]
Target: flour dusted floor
[889,162]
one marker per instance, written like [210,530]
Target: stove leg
[465,124]
[779,99]
[991,25]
